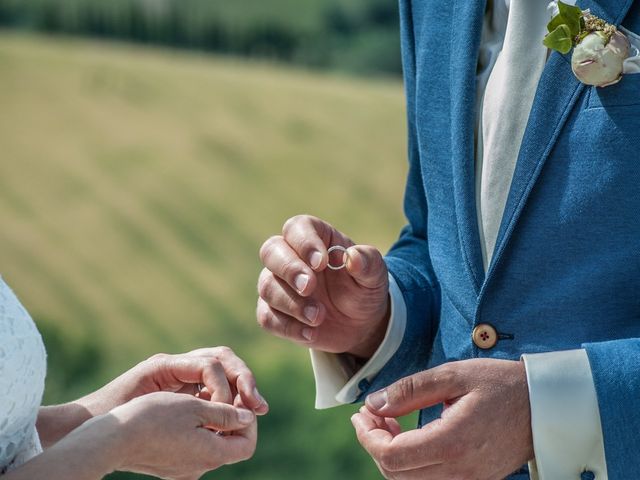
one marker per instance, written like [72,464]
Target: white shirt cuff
[336,383]
[632,64]
[565,418]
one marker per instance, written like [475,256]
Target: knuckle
[264,275]
[389,460]
[291,224]
[248,451]
[213,363]
[157,359]
[287,328]
[264,317]
[290,269]
[447,374]
[224,351]
[266,288]
[268,246]
[294,308]
[406,388]
[452,451]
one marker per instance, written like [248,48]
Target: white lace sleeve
[22,372]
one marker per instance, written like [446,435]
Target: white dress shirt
[565,418]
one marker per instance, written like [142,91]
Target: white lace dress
[23,368]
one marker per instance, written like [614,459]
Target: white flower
[596,62]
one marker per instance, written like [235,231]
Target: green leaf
[571,15]
[555,23]
[559,39]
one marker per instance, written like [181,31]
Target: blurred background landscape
[148,148]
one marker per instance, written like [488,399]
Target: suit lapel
[468,16]
[557,94]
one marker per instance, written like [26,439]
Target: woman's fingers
[224,417]
[215,379]
[196,370]
[219,370]
[238,375]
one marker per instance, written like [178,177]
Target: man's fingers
[366,265]
[224,417]
[418,391]
[280,296]
[373,438]
[283,261]
[386,423]
[283,325]
[309,237]
[406,451]
[433,472]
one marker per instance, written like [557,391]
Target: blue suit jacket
[566,270]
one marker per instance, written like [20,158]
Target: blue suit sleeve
[616,374]
[408,260]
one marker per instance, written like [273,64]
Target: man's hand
[484,432]
[304,301]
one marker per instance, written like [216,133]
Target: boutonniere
[599,48]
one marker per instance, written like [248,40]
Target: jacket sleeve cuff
[565,418]
[337,381]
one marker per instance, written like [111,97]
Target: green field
[136,186]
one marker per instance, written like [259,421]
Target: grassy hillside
[136,187]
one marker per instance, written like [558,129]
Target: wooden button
[485,336]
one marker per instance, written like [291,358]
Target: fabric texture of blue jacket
[566,270]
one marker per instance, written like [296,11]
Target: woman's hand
[220,371]
[178,436]
[168,435]
[211,373]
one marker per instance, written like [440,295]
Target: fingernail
[301,282]
[352,254]
[245,416]
[311,313]
[378,400]
[315,260]
[307,333]
[259,397]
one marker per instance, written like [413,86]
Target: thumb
[366,265]
[416,392]
[224,417]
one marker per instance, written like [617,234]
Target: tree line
[355,35]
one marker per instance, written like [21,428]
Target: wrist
[110,442]
[117,392]
[94,449]
[373,337]
[56,421]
